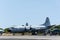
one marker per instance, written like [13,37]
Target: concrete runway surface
[29,37]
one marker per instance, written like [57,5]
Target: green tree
[52,27]
[58,26]
[6,30]
[1,28]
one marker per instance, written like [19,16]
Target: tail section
[47,22]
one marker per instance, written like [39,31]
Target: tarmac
[29,37]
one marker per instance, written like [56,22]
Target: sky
[18,12]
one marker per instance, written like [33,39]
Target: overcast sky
[18,12]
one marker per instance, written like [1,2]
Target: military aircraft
[30,28]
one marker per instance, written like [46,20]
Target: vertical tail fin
[47,22]
[26,24]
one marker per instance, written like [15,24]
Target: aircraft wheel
[13,34]
[34,33]
[23,33]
